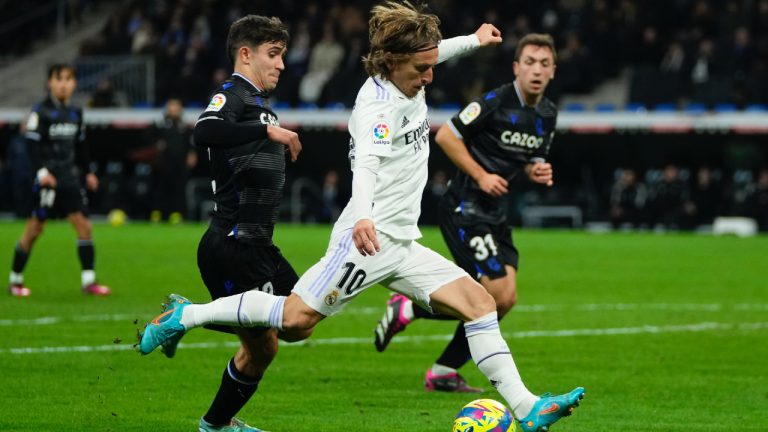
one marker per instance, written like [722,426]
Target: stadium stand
[640,85]
[701,51]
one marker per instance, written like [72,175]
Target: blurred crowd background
[689,56]
[676,51]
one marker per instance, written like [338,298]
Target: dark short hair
[536,39]
[254,30]
[56,69]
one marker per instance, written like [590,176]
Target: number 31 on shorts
[481,245]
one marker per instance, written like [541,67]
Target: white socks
[249,309]
[438,369]
[16,278]
[87,277]
[492,356]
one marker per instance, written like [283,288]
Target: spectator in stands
[20,173]
[705,199]
[574,64]
[343,86]
[323,62]
[616,34]
[105,95]
[175,157]
[673,59]
[702,75]
[144,39]
[332,199]
[762,199]
[667,199]
[628,198]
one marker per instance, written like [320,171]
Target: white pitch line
[589,307]
[646,329]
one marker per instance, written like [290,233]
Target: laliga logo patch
[381,134]
[217,101]
[470,113]
[33,121]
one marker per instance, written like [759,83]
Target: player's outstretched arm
[486,35]
[454,147]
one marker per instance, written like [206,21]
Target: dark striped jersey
[503,135]
[55,135]
[248,178]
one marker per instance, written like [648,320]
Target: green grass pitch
[666,333]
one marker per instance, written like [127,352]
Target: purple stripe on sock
[471,328]
[274,315]
[489,356]
[273,312]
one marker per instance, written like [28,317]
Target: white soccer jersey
[387,124]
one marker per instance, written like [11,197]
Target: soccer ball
[117,217]
[484,415]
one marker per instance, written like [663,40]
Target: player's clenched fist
[488,34]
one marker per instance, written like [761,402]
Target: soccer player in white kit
[374,240]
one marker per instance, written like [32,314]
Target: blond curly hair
[396,31]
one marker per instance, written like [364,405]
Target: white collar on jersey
[390,86]
[520,95]
[249,81]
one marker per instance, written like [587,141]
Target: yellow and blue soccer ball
[484,415]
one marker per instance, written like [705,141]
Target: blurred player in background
[175,157]
[59,156]
[389,151]
[246,150]
[504,133]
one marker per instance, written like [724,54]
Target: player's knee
[36,230]
[482,303]
[84,229]
[505,301]
[299,319]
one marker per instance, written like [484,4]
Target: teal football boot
[236,425]
[165,329]
[549,409]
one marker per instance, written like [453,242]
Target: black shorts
[479,247]
[65,199]
[230,267]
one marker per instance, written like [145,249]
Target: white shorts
[403,266]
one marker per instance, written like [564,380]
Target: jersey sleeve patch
[33,121]
[470,113]
[382,134]
[217,102]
